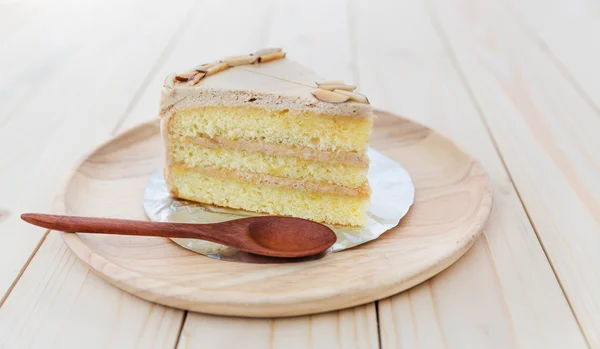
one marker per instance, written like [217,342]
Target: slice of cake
[262,133]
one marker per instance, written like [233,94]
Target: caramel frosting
[276,85]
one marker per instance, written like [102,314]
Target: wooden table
[515,83]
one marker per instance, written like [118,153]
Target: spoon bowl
[285,237]
[291,236]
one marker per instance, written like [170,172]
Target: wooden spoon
[268,236]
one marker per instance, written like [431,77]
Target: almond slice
[329,96]
[196,78]
[267,51]
[185,76]
[330,82]
[170,81]
[271,57]
[337,87]
[240,60]
[217,69]
[354,96]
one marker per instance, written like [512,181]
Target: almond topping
[337,87]
[354,96]
[271,57]
[330,96]
[208,69]
[185,76]
[267,51]
[216,69]
[196,78]
[240,60]
[169,81]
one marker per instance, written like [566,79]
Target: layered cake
[262,133]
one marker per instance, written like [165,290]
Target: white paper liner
[392,195]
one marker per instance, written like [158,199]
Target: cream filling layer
[262,179]
[332,157]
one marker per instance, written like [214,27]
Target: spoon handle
[114,226]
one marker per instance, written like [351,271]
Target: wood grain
[451,205]
[501,292]
[534,113]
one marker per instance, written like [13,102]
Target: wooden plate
[452,202]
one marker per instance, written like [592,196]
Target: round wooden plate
[452,202]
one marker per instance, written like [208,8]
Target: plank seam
[24,267]
[378,326]
[183,318]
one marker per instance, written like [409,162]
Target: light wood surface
[389,48]
[535,113]
[452,203]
